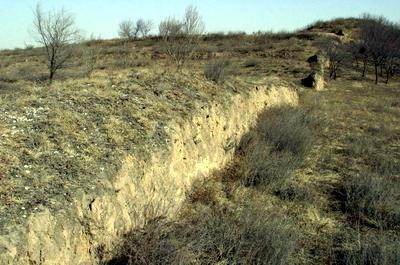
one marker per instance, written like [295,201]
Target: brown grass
[315,185]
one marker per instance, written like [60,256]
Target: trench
[143,190]
[227,217]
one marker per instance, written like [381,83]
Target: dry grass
[210,236]
[61,138]
[282,140]
[315,185]
[218,71]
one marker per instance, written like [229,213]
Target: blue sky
[102,17]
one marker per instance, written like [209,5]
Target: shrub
[370,249]
[181,37]
[286,129]
[372,199]
[253,62]
[263,166]
[150,245]
[282,139]
[218,71]
[248,235]
[267,37]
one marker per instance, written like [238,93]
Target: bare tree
[336,53]
[181,37]
[380,38]
[392,52]
[144,27]
[358,52]
[56,32]
[127,30]
[90,56]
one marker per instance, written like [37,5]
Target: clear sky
[101,17]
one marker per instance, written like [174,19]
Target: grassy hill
[314,184]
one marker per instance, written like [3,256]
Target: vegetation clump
[218,71]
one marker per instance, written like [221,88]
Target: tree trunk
[387,76]
[364,69]
[51,76]
[376,73]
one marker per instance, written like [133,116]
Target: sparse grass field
[287,199]
[316,184]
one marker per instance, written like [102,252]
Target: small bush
[218,71]
[372,199]
[253,62]
[208,236]
[287,130]
[249,236]
[370,250]
[282,139]
[261,166]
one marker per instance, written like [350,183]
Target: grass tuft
[218,71]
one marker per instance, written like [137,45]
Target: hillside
[125,150]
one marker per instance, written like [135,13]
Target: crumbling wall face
[91,224]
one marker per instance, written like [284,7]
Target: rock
[314,80]
[313,59]
[339,32]
[317,62]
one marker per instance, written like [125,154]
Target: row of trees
[57,33]
[130,30]
[179,36]
[378,46]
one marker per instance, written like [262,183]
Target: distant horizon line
[92,36]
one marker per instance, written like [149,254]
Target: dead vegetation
[317,184]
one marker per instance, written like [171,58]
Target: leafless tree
[380,38]
[56,31]
[181,37]
[144,27]
[392,52]
[358,52]
[127,30]
[130,30]
[336,54]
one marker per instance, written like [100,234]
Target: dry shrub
[370,250]
[252,62]
[287,130]
[218,71]
[249,235]
[371,199]
[282,140]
